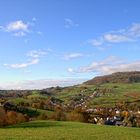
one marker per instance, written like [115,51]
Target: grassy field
[120,92]
[52,130]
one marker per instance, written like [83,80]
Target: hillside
[56,130]
[118,77]
[118,92]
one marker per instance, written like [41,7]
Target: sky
[46,43]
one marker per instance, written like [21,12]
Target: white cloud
[134,30]
[70,70]
[40,84]
[17,28]
[96,42]
[113,38]
[72,56]
[23,65]
[36,53]
[70,23]
[110,65]
[128,34]
[20,28]
[34,58]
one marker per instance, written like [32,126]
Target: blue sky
[63,42]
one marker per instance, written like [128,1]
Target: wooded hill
[118,77]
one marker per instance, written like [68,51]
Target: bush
[42,116]
[2,117]
[74,116]
[11,117]
[14,118]
[20,118]
[59,115]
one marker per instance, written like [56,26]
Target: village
[77,109]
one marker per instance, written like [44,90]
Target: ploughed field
[58,130]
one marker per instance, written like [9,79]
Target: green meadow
[55,130]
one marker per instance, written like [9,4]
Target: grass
[36,96]
[49,113]
[53,130]
[19,100]
[119,92]
[122,92]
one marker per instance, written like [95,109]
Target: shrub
[42,116]
[59,115]
[74,116]
[2,117]
[20,118]
[11,117]
[14,118]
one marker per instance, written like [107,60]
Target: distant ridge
[118,77]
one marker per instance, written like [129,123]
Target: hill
[117,92]
[54,130]
[118,77]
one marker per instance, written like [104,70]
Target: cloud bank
[40,84]
[109,65]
